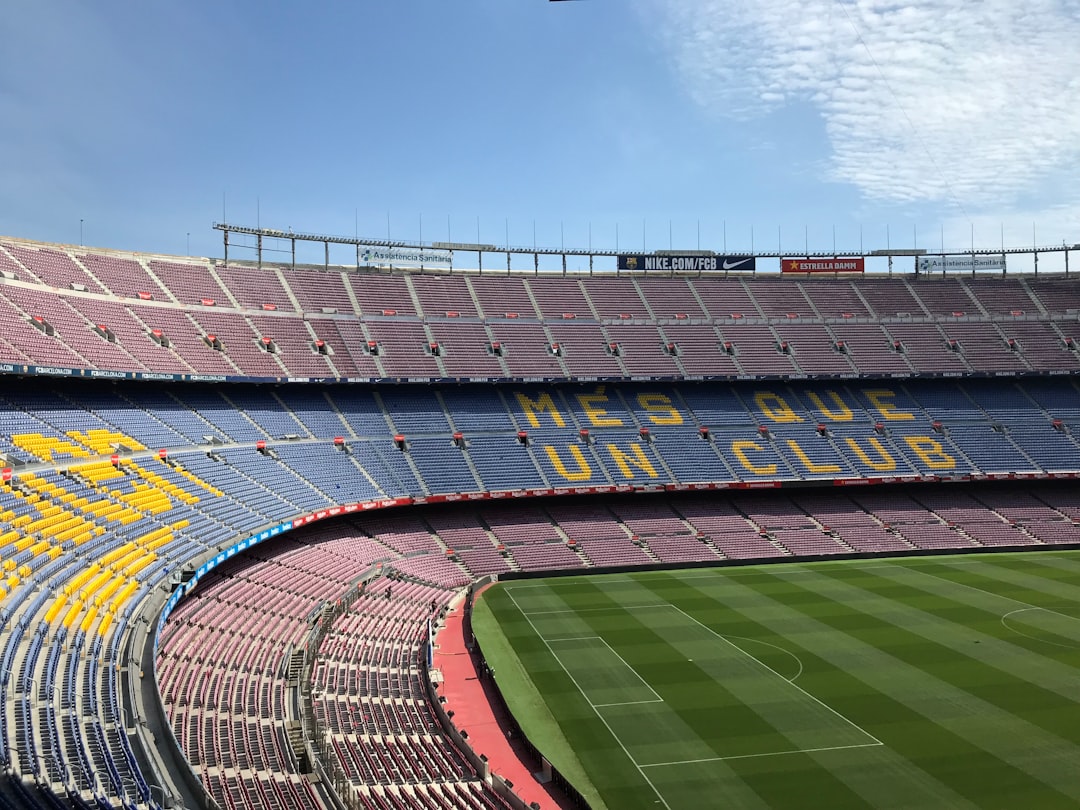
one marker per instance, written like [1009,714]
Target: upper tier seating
[517,326]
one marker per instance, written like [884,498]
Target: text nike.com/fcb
[691,263]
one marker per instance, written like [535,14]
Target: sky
[733,125]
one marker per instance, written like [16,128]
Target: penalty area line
[763,754]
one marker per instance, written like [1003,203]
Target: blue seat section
[871,454]
[176,415]
[476,410]
[929,452]
[251,495]
[596,405]
[716,406]
[754,457]
[442,465]
[1002,400]
[277,478]
[118,413]
[565,461]
[394,461]
[1058,397]
[989,450]
[810,454]
[330,470]
[504,463]
[313,409]
[264,409]
[211,405]
[629,459]
[691,458]
[373,463]
[1052,450]
[949,404]
[415,411]
[360,410]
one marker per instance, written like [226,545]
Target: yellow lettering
[739,450]
[888,410]
[843,415]
[885,462]
[597,415]
[808,462]
[659,403]
[779,410]
[635,457]
[541,404]
[931,452]
[583,472]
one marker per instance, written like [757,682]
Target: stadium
[535,405]
[246,510]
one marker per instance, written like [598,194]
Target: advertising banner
[960,264]
[675,262]
[401,257]
[854,265]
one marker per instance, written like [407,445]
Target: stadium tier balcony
[835,299]
[814,348]
[724,298]
[191,282]
[382,295]
[890,298]
[126,278]
[53,268]
[256,288]
[945,297]
[503,297]
[558,298]
[614,298]
[444,296]
[671,298]
[466,350]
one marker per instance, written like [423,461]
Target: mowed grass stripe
[918,763]
[880,648]
[719,721]
[711,708]
[1029,749]
[956,746]
[611,772]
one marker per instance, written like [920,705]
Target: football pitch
[946,682]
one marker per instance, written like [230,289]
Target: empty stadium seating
[116,489]
[187,316]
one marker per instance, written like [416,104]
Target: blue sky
[785,119]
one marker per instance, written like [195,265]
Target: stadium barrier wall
[152,376]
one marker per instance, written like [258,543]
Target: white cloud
[936,101]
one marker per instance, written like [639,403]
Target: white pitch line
[627,703]
[593,610]
[596,711]
[1006,625]
[778,675]
[575,638]
[764,754]
[643,681]
[998,595]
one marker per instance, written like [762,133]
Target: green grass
[933,682]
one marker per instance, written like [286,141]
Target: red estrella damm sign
[851,265]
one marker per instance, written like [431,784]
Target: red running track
[467,696]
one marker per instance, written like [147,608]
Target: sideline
[466,695]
